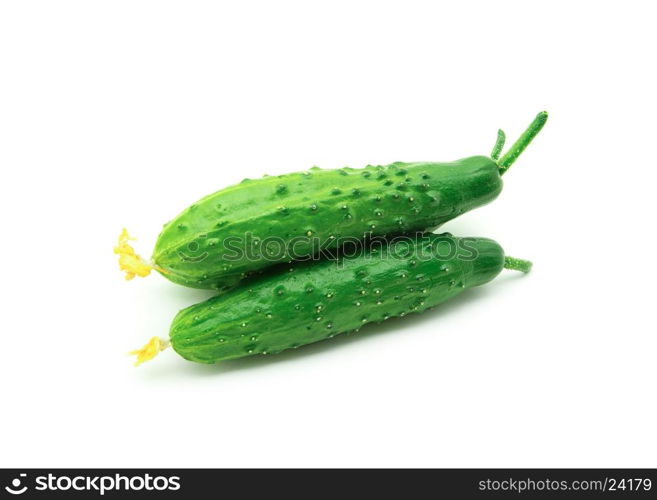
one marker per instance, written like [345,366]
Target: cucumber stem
[519,146]
[524,266]
[499,144]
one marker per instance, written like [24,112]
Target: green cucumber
[320,208]
[293,306]
[241,230]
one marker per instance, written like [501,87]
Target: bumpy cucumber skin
[327,205]
[312,301]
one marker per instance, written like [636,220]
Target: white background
[123,113]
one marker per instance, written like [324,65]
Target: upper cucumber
[219,240]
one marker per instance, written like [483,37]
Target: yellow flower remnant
[129,261]
[154,346]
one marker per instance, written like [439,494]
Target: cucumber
[256,224]
[246,228]
[312,301]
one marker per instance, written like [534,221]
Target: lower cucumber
[293,306]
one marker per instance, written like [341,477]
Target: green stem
[519,146]
[499,144]
[524,266]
